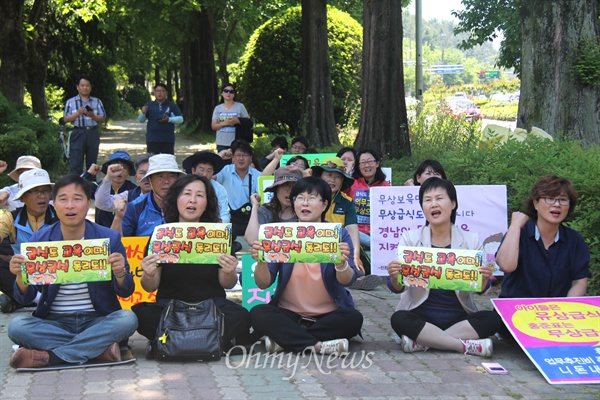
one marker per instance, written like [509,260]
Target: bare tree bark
[38,56]
[13,51]
[317,121]
[198,75]
[551,97]
[383,120]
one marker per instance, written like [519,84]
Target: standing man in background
[162,115]
[85,112]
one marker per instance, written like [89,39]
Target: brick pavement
[376,368]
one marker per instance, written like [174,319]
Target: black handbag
[244,130]
[189,332]
[240,217]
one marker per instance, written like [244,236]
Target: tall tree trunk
[198,75]
[205,75]
[37,60]
[383,120]
[13,51]
[318,121]
[187,83]
[551,96]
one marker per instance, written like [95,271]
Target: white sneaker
[479,347]
[335,346]
[410,346]
[272,346]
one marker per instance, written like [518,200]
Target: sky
[439,9]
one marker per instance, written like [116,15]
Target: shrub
[500,111]
[270,84]
[22,132]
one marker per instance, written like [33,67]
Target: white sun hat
[162,163]
[31,179]
[25,162]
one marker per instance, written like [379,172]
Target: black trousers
[236,320]
[284,326]
[160,148]
[410,323]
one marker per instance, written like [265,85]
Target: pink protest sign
[561,336]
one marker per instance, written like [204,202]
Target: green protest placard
[252,295]
[264,181]
[300,242]
[190,242]
[66,261]
[313,159]
[450,269]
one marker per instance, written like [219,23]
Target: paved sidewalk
[376,368]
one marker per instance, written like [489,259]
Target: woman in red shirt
[367,175]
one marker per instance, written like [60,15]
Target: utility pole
[419,51]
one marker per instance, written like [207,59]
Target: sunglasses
[228,91]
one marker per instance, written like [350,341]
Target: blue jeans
[75,337]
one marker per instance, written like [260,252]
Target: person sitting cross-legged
[437,318]
[73,322]
[311,308]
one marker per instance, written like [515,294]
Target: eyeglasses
[368,162]
[297,147]
[40,192]
[300,165]
[431,173]
[562,201]
[242,155]
[204,171]
[311,199]
[229,91]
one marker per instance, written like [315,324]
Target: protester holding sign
[279,209]
[367,175]
[73,322]
[441,319]
[192,199]
[311,308]
[19,225]
[342,210]
[539,255]
[427,169]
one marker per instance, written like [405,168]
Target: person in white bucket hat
[35,190]
[7,194]
[141,216]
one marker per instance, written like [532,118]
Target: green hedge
[271,69]
[22,132]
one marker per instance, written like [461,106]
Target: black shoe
[150,350]
[8,305]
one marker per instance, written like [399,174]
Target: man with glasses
[19,225]
[299,145]
[162,115]
[240,181]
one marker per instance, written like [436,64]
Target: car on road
[461,107]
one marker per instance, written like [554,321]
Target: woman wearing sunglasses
[226,115]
